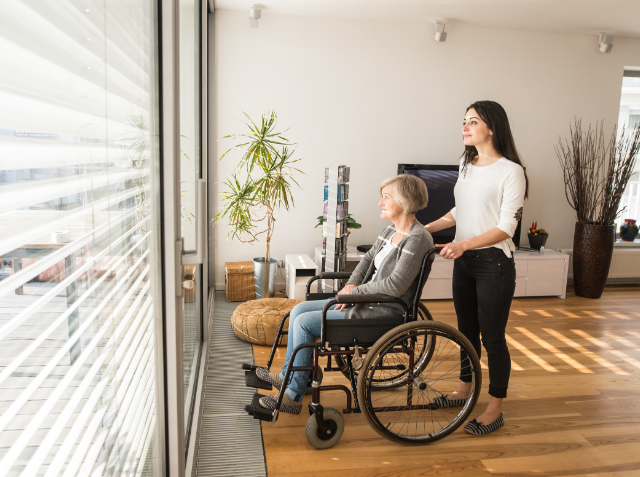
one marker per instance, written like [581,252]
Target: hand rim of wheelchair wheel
[392,338]
[424,315]
[316,437]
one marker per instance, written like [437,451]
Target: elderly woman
[391,267]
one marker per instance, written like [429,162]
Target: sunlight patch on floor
[531,355]
[567,359]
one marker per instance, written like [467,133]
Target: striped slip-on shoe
[474,427]
[269,377]
[442,402]
[288,405]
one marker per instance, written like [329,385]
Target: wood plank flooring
[573,407]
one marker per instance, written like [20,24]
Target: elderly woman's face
[390,208]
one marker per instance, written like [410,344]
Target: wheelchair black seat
[366,330]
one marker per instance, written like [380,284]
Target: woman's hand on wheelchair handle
[345,291]
[451,251]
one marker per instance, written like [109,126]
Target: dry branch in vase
[596,172]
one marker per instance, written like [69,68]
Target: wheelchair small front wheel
[323,440]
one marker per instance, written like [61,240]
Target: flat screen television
[440,181]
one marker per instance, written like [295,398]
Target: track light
[254,14]
[606,43]
[440,34]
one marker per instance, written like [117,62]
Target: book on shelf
[344,174]
[341,228]
[343,192]
[339,264]
[341,245]
[342,211]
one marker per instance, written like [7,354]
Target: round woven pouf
[257,321]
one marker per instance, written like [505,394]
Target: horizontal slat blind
[78,235]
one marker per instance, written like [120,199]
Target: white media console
[537,274]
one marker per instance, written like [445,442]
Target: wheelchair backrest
[425,269]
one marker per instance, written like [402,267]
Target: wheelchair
[396,367]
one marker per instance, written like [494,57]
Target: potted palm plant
[260,184]
[596,173]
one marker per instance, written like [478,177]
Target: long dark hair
[497,121]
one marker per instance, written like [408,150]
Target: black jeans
[484,281]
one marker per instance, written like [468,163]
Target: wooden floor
[573,405]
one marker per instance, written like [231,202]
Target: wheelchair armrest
[327,276]
[371,298]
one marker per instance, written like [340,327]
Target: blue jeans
[305,322]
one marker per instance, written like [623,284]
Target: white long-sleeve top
[488,197]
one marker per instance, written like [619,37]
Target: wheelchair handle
[327,276]
[373,298]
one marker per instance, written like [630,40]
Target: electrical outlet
[280,263]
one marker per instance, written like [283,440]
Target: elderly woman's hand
[345,291]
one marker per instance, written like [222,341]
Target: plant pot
[265,277]
[538,241]
[592,251]
[629,230]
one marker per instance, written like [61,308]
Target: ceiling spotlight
[440,34]
[606,43]
[254,14]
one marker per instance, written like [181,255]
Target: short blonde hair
[408,191]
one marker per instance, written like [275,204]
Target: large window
[79,235]
[630,117]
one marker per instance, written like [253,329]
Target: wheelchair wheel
[392,374]
[322,440]
[407,413]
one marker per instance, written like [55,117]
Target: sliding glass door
[190,174]
[80,281]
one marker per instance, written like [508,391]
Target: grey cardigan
[398,273]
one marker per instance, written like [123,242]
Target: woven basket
[239,281]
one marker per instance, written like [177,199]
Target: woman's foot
[269,377]
[481,428]
[447,401]
[489,416]
[492,412]
[288,405]
[456,398]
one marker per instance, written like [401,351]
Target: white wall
[371,94]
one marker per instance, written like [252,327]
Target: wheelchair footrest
[250,367]
[257,411]
[253,381]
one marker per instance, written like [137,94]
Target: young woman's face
[390,208]
[474,130]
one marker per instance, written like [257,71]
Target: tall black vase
[592,251]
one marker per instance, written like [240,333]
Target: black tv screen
[440,181]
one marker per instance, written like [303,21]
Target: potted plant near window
[261,184]
[596,174]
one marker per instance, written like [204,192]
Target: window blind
[78,237]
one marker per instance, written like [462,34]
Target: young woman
[389,267]
[490,192]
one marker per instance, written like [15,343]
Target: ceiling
[616,17]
